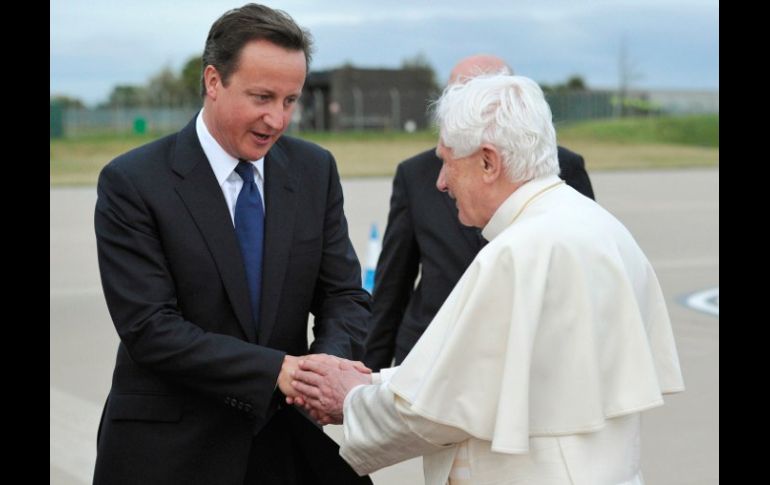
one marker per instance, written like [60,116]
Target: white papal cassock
[538,364]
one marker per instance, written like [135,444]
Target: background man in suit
[210,323]
[424,233]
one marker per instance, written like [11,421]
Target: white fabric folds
[558,325]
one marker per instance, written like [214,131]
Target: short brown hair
[239,26]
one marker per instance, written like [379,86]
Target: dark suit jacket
[424,231]
[193,381]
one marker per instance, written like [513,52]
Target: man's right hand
[290,364]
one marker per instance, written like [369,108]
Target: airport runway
[674,216]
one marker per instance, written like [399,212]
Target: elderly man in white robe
[538,365]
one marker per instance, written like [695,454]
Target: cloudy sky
[96,44]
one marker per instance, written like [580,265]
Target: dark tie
[250,229]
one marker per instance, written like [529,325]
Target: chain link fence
[383,110]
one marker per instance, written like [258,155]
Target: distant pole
[358,108]
[395,108]
[622,79]
[627,74]
[319,109]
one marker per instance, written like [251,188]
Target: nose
[441,181]
[275,118]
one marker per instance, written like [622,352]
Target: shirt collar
[516,202]
[222,163]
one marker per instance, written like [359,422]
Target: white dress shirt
[223,164]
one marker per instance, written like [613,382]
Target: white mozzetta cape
[558,325]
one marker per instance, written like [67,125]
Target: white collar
[222,163]
[515,203]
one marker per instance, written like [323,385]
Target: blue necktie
[250,229]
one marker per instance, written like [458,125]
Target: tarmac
[673,214]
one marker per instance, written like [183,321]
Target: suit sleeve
[142,301]
[573,171]
[397,270]
[340,305]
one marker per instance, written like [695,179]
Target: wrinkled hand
[323,382]
[292,394]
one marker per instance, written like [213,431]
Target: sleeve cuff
[386,374]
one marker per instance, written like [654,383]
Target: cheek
[452,179]
[468,195]
[243,117]
[462,185]
[241,110]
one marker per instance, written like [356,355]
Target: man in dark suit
[425,236]
[211,325]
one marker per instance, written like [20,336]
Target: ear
[212,81]
[492,163]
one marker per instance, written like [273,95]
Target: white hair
[508,112]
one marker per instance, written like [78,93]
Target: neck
[499,193]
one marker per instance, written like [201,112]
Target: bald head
[476,65]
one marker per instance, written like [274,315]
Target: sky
[97,44]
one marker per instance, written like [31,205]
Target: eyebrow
[270,92]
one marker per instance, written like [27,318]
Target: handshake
[320,382]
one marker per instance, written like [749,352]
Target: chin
[256,154]
[464,221]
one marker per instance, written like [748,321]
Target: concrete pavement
[674,216]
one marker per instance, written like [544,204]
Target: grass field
[605,145]
[701,130]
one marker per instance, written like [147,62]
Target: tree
[421,64]
[190,78]
[127,96]
[164,89]
[417,61]
[573,84]
[627,73]
[66,102]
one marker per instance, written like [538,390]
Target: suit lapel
[280,212]
[469,234]
[203,197]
